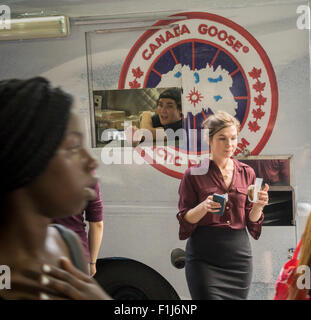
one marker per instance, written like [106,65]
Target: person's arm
[197,213]
[94,216]
[95,236]
[146,123]
[256,212]
[190,210]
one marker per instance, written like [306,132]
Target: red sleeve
[254,228]
[187,200]
[94,209]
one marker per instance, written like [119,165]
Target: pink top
[194,189]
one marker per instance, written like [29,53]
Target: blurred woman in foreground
[46,173]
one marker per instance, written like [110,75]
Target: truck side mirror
[178,257]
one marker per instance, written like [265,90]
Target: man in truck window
[168,116]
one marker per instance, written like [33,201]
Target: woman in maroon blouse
[218,252]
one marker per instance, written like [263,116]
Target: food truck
[249,59]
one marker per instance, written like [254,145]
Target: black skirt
[219,264]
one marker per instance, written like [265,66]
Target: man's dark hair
[172,93]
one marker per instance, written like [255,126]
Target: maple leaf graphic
[259,86]
[137,73]
[253,126]
[255,73]
[258,113]
[260,100]
[134,84]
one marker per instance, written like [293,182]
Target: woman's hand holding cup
[262,196]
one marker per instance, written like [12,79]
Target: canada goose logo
[202,88]
[219,66]
[5,17]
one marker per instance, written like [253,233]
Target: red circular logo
[219,65]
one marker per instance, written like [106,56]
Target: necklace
[226,173]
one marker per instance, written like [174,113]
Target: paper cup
[252,191]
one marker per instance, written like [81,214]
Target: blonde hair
[304,260]
[219,121]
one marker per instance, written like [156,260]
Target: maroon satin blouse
[194,189]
